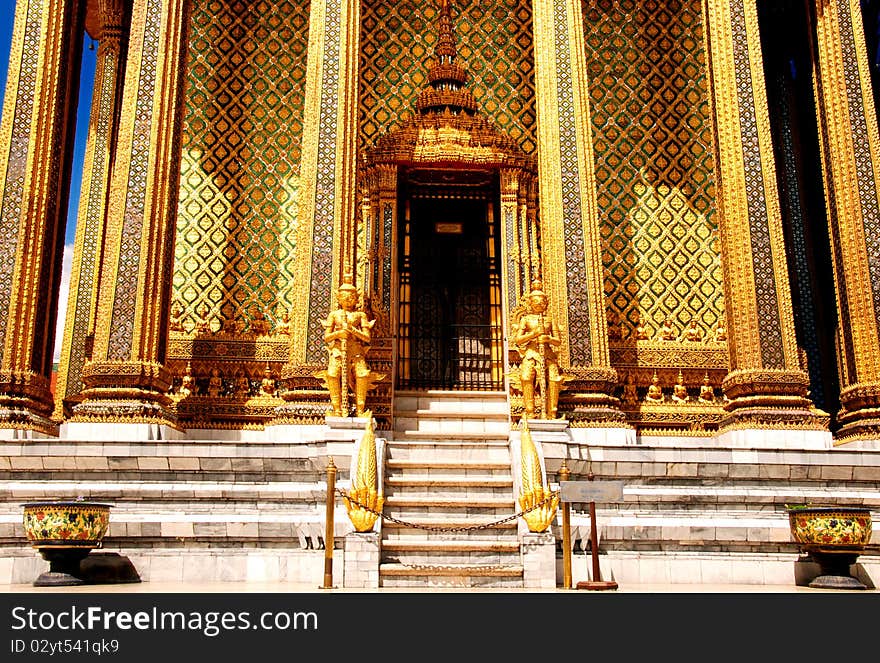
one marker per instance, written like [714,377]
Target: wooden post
[328,531]
[596,582]
[564,474]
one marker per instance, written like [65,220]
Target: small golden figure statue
[655,392]
[259,324]
[720,331]
[537,338]
[641,333]
[203,326]
[707,393]
[242,385]
[215,384]
[630,395]
[679,391]
[347,332]
[188,382]
[267,385]
[282,326]
[175,324]
[692,333]
[667,331]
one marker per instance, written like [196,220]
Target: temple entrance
[450,322]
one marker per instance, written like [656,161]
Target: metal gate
[450,291]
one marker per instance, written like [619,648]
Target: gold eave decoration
[364,501]
[533,492]
[452,139]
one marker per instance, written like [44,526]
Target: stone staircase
[202,510]
[448,466]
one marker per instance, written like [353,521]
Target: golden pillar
[385,215]
[766,386]
[36,138]
[82,305]
[851,150]
[126,380]
[326,246]
[570,249]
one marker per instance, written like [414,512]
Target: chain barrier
[470,528]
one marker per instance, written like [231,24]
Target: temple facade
[647,231]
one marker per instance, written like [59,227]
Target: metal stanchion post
[328,532]
[596,582]
[564,474]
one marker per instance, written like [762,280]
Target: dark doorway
[787,40]
[450,313]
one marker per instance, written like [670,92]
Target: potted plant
[834,537]
[65,533]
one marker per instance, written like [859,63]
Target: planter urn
[64,533]
[834,537]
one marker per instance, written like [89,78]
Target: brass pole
[328,532]
[564,474]
[594,543]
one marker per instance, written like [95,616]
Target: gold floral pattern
[66,523]
[829,526]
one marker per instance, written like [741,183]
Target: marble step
[455,575]
[438,468]
[430,545]
[430,481]
[454,423]
[480,402]
[461,436]
[181,528]
[450,453]
[433,443]
[455,487]
[192,492]
[449,527]
[401,503]
[722,530]
[463,557]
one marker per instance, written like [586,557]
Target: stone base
[361,567]
[539,560]
[346,428]
[25,434]
[762,438]
[120,432]
[287,433]
[618,437]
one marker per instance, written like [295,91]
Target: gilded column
[36,137]
[766,387]
[82,306]
[570,258]
[126,380]
[327,213]
[510,188]
[387,222]
[851,150]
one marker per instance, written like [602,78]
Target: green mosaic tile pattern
[242,135]
[652,138]
[494,43]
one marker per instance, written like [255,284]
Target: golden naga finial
[364,485]
[533,491]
